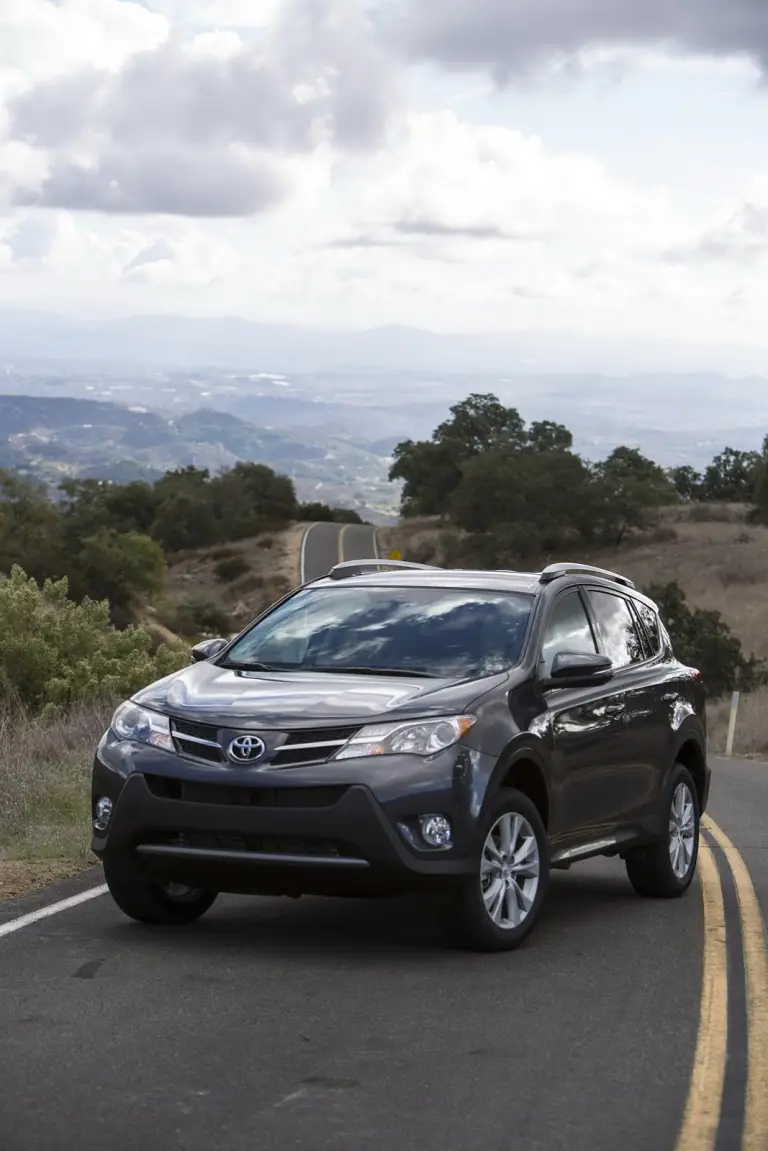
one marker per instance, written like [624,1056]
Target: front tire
[499,905]
[665,869]
[169,905]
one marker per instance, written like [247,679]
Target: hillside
[53,438]
[227,586]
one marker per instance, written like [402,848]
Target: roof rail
[361,567]
[556,571]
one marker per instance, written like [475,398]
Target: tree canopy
[488,472]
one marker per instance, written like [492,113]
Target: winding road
[280,1026]
[325,545]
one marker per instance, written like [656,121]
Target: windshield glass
[453,633]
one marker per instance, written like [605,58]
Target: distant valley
[53,438]
[140,395]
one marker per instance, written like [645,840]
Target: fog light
[103,813]
[436,830]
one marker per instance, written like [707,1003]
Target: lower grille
[217,794]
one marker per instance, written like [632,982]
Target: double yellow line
[705,1095]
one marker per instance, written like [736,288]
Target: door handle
[615,708]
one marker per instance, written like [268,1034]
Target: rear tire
[499,905]
[665,869]
[146,902]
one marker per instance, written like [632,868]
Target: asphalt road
[273,1025]
[325,545]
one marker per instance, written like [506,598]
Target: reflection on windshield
[438,631]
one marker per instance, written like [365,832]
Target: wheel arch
[524,771]
[692,755]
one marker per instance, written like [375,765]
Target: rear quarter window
[651,624]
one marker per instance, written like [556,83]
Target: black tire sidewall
[141,899]
[680,774]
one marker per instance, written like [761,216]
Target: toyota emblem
[246,749]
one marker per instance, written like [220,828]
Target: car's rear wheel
[665,869]
[164,905]
[499,905]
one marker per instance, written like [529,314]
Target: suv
[393,727]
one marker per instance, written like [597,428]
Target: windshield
[452,633]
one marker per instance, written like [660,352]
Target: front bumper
[325,829]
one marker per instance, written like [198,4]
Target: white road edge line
[303,558]
[51,909]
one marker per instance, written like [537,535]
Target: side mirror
[208,649]
[580,668]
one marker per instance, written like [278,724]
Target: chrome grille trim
[310,746]
[287,748]
[182,738]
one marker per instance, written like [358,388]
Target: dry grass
[271,568]
[751,737]
[45,796]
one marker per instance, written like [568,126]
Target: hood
[216,695]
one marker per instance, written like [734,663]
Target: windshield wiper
[341,669]
[234,665]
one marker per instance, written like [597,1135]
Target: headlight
[424,737]
[140,726]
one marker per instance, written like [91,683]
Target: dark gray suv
[394,727]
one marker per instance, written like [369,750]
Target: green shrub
[702,639]
[230,568]
[55,653]
[199,617]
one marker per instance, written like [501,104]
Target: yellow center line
[705,1093]
[755,1135]
[342,533]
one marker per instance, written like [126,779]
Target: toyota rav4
[394,727]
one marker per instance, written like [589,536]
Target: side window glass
[651,625]
[568,629]
[616,625]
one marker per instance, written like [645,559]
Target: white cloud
[202,127]
[259,156]
[446,178]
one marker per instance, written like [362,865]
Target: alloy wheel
[682,830]
[510,870]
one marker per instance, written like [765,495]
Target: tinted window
[568,629]
[616,625]
[651,624]
[439,631]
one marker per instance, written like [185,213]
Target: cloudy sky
[599,166]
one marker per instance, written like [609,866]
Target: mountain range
[230,341]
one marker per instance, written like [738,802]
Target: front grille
[270,844]
[197,740]
[217,794]
[205,743]
[312,746]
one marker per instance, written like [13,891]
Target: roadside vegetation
[105,586]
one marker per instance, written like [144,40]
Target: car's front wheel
[499,905]
[164,905]
[665,869]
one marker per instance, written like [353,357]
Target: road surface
[325,545]
[274,1026]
